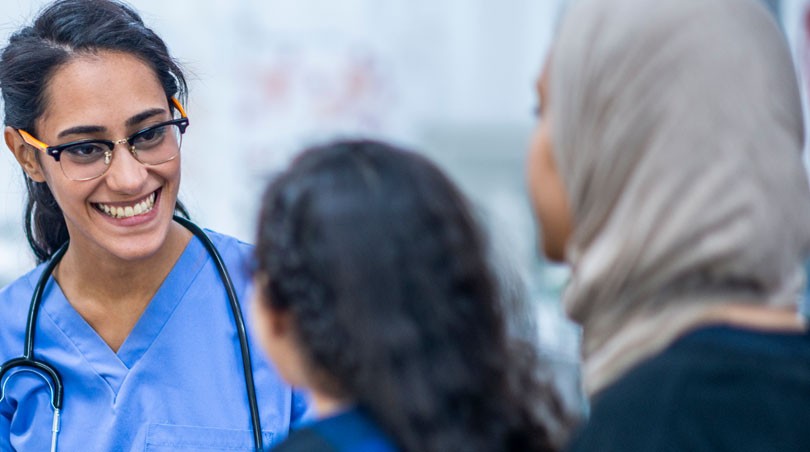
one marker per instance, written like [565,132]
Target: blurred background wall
[451,78]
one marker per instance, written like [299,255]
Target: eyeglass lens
[152,146]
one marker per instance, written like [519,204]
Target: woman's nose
[125,174]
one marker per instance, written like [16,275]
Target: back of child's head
[377,256]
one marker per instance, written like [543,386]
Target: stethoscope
[28,363]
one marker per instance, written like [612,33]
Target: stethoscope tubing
[239,321]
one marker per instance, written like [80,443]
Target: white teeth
[129,211]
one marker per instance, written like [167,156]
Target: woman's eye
[85,151]
[149,137]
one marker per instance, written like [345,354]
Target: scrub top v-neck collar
[114,367]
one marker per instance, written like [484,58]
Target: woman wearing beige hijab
[666,170]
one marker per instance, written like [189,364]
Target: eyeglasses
[88,159]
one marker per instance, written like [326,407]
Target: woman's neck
[95,271]
[758,317]
[111,293]
[326,405]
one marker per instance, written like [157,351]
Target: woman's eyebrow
[134,120]
[140,117]
[81,130]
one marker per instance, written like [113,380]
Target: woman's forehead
[101,88]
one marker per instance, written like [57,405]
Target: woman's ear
[25,154]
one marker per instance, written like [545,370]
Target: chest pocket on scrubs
[166,437]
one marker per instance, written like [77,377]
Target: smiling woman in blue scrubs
[135,319]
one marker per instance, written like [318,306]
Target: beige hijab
[677,129]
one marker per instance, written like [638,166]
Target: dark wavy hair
[378,258]
[63,30]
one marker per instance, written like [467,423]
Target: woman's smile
[128,209]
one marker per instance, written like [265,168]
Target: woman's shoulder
[229,245]
[20,287]
[688,386]
[236,254]
[15,299]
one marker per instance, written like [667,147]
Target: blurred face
[546,188]
[127,212]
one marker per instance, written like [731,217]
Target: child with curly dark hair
[375,293]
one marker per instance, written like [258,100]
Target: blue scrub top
[176,383]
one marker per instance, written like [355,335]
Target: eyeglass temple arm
[28,138]
[179,107]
